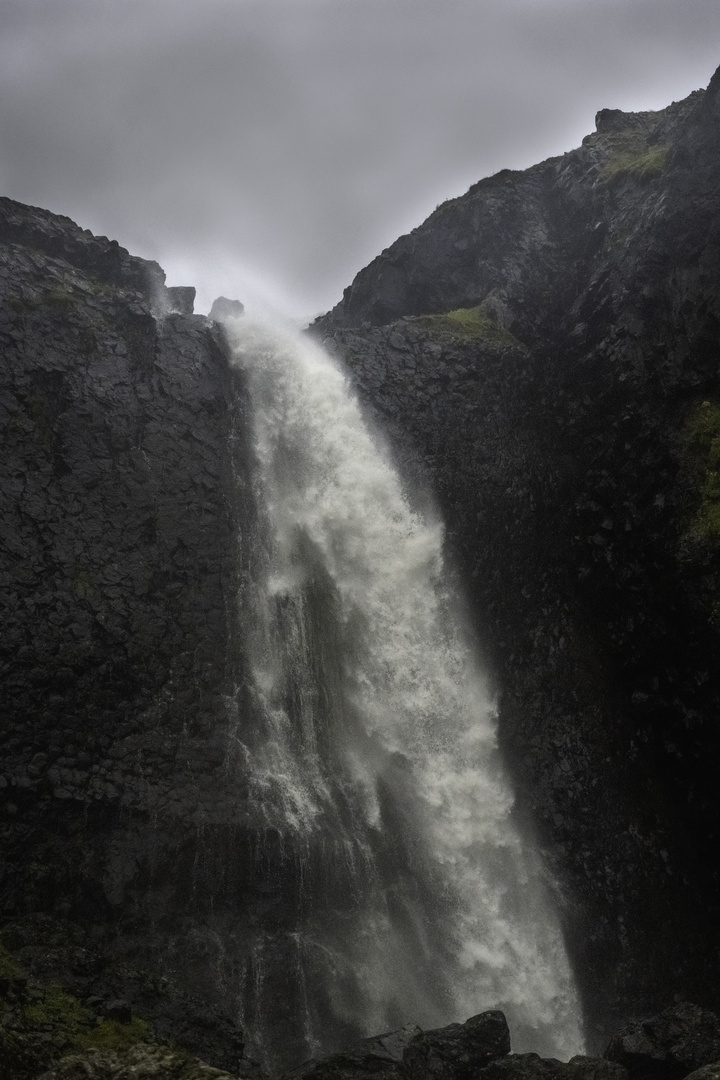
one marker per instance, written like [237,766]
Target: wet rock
[118,1010]
[380,1056]
[678,1041]
[458,1051]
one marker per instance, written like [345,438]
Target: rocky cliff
[121,502]
[543,352]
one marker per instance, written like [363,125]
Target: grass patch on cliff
[60,295]
[468,323]
[112,1035]
[72,1026]
[630,155]
[58,1011]
[703,430]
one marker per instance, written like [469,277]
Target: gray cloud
[278,145]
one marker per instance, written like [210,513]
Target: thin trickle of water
[375,758]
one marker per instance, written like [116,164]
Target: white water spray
[376,761]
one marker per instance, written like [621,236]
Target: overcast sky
[271,148]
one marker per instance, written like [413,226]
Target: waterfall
[404,892]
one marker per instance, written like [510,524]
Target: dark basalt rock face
[544,353]
[123,459]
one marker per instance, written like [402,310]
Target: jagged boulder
[379,1056]
[458,1051]
[223,308]
[678,1041]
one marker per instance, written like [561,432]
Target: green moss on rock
[704,443]
[41,1023]
[59,1011]
[473,322]
[112,1035]
[630,155]
[60,295]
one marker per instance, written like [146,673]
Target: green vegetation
[75,1027]
[631,156]
[59,1012]
[474,322]
[112,1035]
[42,1022]
[60,295]
[704,443]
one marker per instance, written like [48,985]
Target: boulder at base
[457,1052]
[668,1046]
[368,1059]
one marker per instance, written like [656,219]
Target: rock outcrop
[222,308]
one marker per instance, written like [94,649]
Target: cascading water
[374,778]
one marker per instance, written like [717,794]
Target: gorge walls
[541,355]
